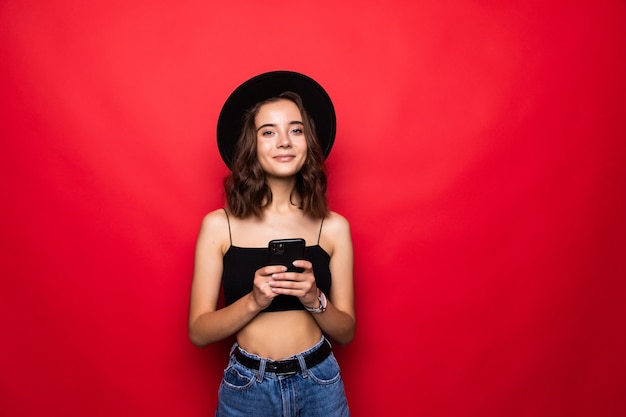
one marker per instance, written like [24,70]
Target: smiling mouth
[284,157]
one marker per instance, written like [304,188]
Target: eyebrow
[295,122]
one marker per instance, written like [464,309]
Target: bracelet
[321,297]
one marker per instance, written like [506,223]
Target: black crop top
[240,264]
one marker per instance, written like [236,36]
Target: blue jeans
[314,392]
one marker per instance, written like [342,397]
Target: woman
[281,363]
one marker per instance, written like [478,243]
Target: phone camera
[277,248]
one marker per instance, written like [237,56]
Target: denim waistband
[290,366]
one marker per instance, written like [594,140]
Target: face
[281,143]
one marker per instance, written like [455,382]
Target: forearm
[213,326]
[336,324]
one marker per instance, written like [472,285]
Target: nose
[284,141]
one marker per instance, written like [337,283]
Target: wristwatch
[322,299]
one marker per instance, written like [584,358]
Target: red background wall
[480,158]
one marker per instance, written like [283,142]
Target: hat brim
[267,85]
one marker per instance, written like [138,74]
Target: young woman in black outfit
[274,132]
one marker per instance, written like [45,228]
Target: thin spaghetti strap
[320,233]
[230,236]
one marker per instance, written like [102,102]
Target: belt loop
[232,349]
[303,367]
[261,372]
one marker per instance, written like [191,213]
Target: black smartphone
[285,251]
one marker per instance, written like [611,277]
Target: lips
[284,158]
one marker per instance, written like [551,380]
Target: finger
[266,291]
[301,263]
[279,290]
[262,283]
[271,269]
[288,276]
[297,288]
[283,284]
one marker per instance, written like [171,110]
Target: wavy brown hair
[247,191]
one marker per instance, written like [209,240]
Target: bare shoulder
[215,229]
[215,219]
[336,223]
[336,232]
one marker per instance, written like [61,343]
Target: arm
[206,323]
[338,321]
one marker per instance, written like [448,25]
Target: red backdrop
[480,158]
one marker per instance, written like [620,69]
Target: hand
[262,292]
[299,284]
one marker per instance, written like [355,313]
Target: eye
[297,131]
[267,133]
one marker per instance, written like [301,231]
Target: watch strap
[321,297]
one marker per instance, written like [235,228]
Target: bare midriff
[279,335]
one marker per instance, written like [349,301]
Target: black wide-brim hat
[268,85]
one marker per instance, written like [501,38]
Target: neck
[283,196]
